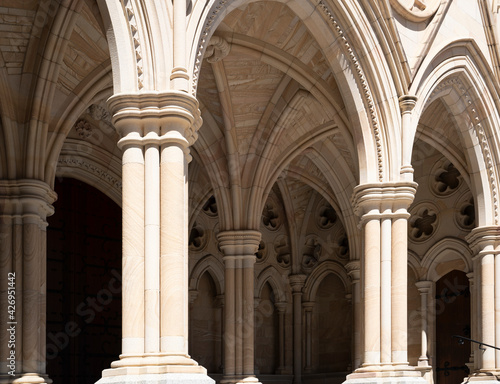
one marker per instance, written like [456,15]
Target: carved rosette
[465,214]
[83,128]
[270,216]
[423,222]
[327,217]
[261,253]
[210,207]
[445,178]
[282,250]
[311,253]
[198,238]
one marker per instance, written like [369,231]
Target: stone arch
[215,269]
[276,281]
[459,80]
[349,70]
[446,255]
[92,165]
[320,272]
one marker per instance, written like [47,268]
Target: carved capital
[239,243]
[30,199]
[297,282]
[376,198]
[407,103]
[485,240]
[159,118]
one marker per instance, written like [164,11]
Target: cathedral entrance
[452,318]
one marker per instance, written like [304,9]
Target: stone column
[485,242]
[281,307]
[24,207]
[156,131]
[239,249]
[424,287]
[353,270]
[297,283]
[473,326]
[308,317]
[383,211]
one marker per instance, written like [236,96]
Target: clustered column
[239,249]
[485,243]
[156,131]
[24,207]
[383,211]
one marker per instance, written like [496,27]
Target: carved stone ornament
[312,254]
[270,217]
[327,216]
[282,249]
[466,214]
[416,10]
[261,253]
[197,238]
[446,178]
[210,207]
[84,129]
[422,223]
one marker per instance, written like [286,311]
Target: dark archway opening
[83,284]
[452,318]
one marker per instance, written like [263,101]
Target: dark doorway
[83,284]
[452,318]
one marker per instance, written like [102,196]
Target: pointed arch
[215,269]
[320,272]
[458,75]
[276,280]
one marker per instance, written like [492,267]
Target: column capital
[375,199]
[156,117]
[281,306]
[485,239]
[353,269]
[297,282]
[308,306]
[27,197]
[407,103]
[424,286]
[239,243]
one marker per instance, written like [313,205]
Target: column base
[385,374]
[161,378]
[25,378]
[155,368]
[489,377]
[239,379]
